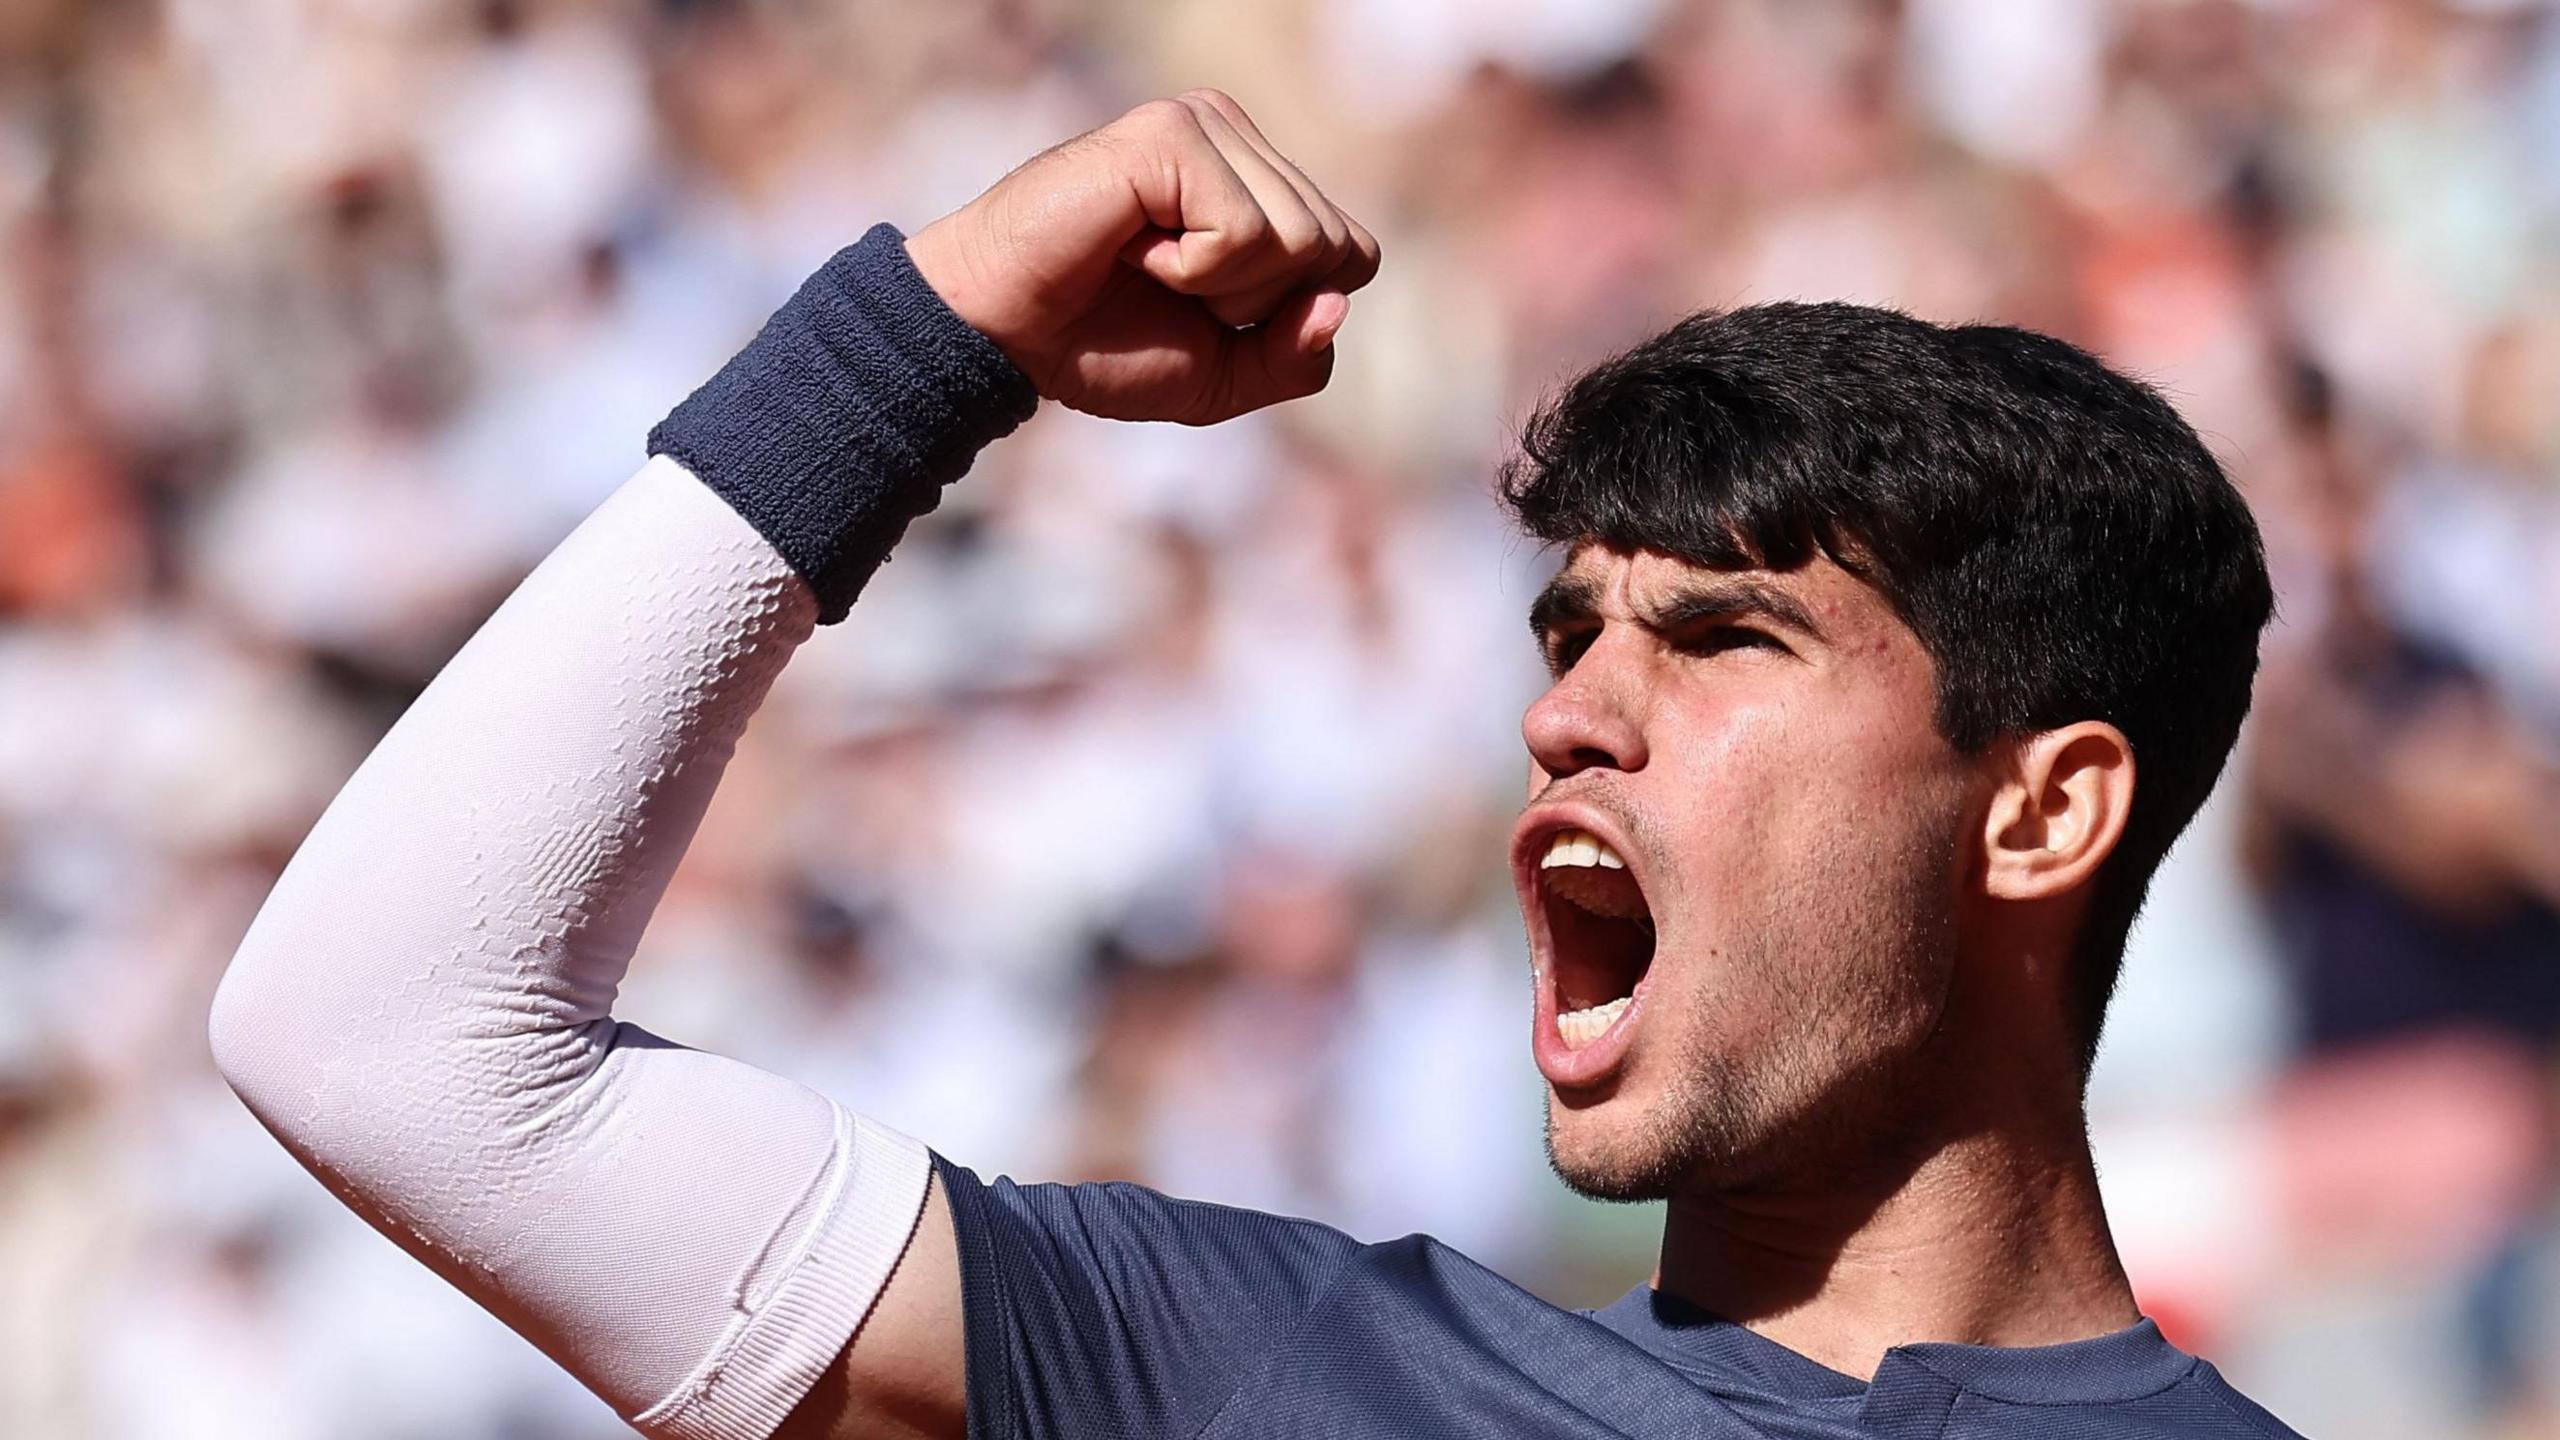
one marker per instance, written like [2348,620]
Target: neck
[1995,1237]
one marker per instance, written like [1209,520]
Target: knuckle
[1253,230]
[1158,117]
[1299,239]
[1210,96]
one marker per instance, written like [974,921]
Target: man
[1866,632]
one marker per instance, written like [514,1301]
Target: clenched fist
[1171,265]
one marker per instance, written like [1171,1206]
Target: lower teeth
[1581,1027]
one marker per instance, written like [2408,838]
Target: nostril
[1561,759]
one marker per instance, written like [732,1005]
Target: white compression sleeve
[421,1012]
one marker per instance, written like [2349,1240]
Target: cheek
[1815,852]
[1760,788]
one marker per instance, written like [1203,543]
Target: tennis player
[1888,660]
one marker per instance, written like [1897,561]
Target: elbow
[329,1052]
[297,1062]
[247,1034]
[279,1029]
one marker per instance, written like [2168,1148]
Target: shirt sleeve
[1115,1310]
[423,1012]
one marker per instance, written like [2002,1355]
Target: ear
[2058,812]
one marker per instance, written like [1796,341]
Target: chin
[1710,1129]
[1610,1151]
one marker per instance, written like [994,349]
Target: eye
[1563,648]
[1716,639]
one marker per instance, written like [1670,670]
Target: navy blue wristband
[843,419]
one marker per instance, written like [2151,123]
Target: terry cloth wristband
[843,419]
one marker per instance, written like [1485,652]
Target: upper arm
[903,1375]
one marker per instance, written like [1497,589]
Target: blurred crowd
[1145,820]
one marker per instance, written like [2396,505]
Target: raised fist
[1171,265]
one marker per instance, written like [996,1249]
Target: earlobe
[2058,811]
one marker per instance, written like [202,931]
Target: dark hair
[2058,538]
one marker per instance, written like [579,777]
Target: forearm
[422,1011]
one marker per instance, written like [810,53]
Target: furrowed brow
[1728,599]
[1567,598]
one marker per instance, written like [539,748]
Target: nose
[1585,721]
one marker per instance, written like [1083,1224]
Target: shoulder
[1110,1264]
[1121,1232]
[1114,1308]
[2131,1383]
[2249,1418]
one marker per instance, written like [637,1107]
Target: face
[1739,868]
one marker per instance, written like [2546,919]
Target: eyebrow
[1569,599]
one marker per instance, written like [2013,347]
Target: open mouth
[1599,944]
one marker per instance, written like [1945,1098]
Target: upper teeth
[1577,847]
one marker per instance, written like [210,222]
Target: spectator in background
[2406,830]
[310,288]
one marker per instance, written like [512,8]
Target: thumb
[1287,356]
